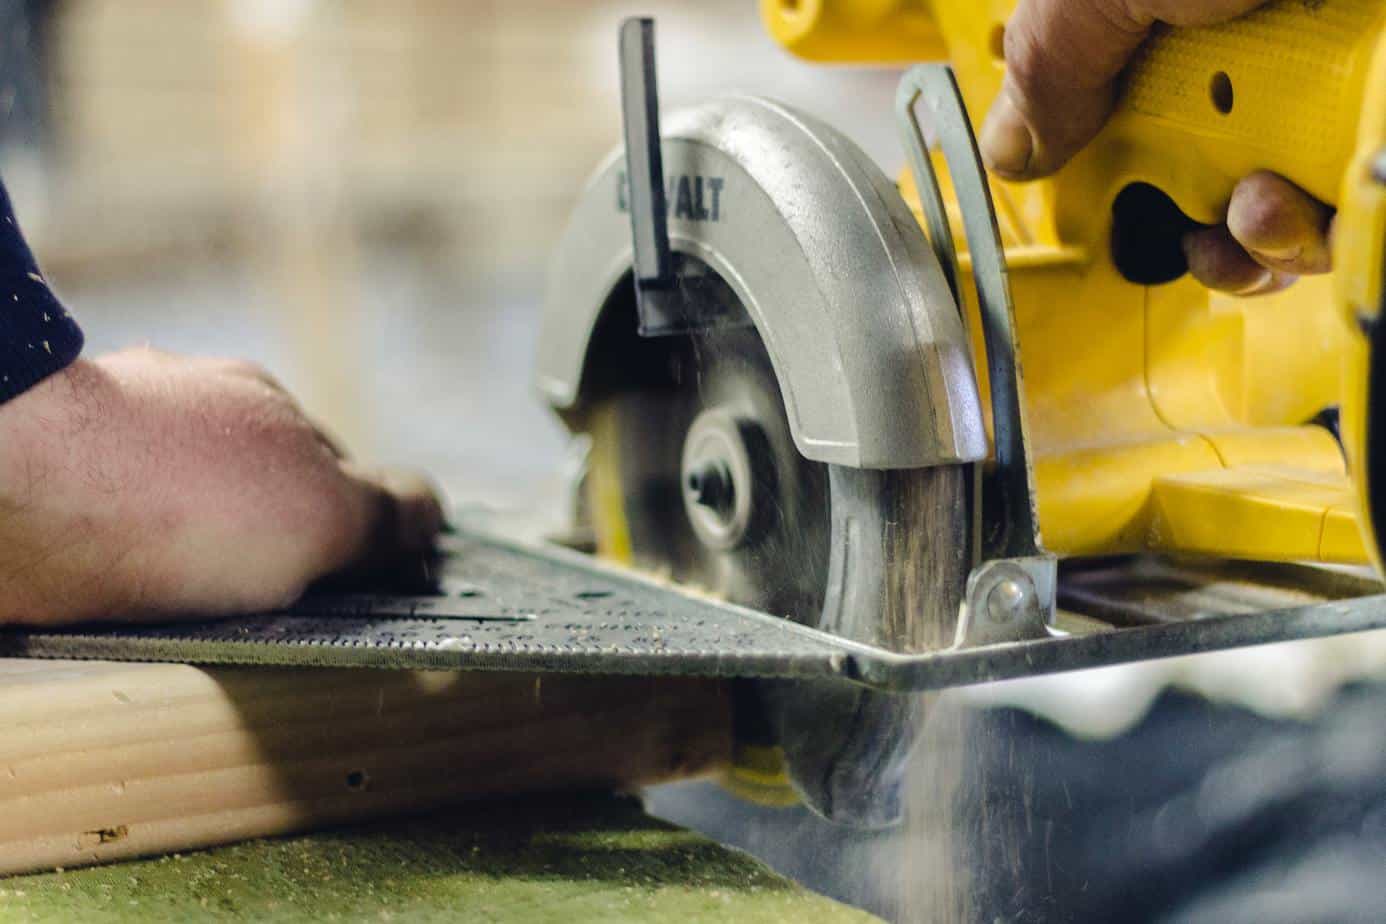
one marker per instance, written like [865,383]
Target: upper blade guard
[866,341]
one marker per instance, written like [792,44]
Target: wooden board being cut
[102,761]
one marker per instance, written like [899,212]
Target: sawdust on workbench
[563,858]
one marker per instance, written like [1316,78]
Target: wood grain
[101,761]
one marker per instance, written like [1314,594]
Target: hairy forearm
[71,505]
[147,485]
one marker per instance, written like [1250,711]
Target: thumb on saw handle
[1279,89]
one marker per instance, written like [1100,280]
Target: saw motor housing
[1162,416]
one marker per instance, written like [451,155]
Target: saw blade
[695,476]
[769,550]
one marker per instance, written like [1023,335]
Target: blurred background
[360,195]
[363,195]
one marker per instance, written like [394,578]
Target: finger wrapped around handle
[1280,89]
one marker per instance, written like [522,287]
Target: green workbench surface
[568,859]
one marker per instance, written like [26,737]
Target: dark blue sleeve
[37,336]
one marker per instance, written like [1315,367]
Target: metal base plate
[510,606]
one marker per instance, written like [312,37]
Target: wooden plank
[571,858]
[103,761]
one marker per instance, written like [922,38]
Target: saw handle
[1280,89]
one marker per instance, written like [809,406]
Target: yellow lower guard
[757,775]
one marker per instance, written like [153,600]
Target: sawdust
[936,888]
[568,859]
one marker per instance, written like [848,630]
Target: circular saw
[779,377]
[782,407]
[779,373]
